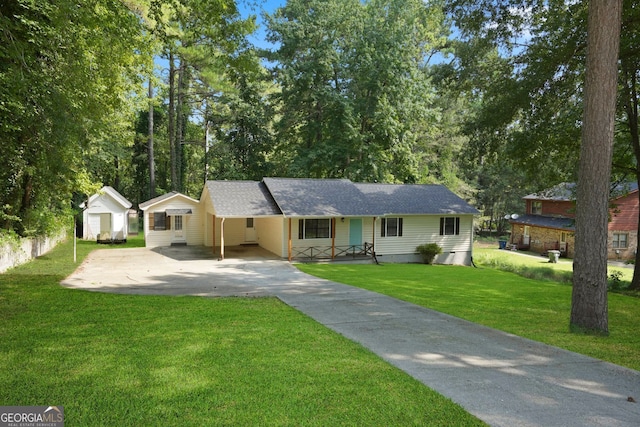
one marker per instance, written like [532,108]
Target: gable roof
[241,199]
[407,199]
[318,197]
[117,197]
[145,205]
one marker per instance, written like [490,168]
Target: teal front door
[355,232]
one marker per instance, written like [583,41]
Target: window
[449,226]
[536,207]
[314,229]
[620,240]
[249,223]
[158,221]
[178,223]
[391,227]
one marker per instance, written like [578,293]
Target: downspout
[213,244]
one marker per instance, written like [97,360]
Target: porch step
[179,244]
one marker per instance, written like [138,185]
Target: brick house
[548,222]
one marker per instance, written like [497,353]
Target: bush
[429,252]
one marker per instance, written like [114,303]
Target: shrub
[429,252]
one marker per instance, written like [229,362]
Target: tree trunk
[589,309]
[181,121]
[152,165]
[631,108]
[172,121]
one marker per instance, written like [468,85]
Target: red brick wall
[624,215]
[558,208]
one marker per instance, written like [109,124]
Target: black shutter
[301,229]
[399,227]
[383,227]
[457,225]
[442,226]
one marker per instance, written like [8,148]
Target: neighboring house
[172,219]
[328,218]
[549,221]
[105,217]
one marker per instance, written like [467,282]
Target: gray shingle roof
[407,199]
[242,199]
[341,197]
[318,197]
[546,221]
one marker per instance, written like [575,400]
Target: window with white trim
[620,241]
[391,227]
[449,225]
[178,222]
[314,228]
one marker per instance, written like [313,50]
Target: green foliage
[67,69]
[356,98]
[429,252]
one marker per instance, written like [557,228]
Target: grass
[535,309]
[143,360]
[536,267]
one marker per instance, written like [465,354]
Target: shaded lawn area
[517,260]
[141,360]
[534,309]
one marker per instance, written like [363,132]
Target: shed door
[355,232]
[93,226]
[105,223]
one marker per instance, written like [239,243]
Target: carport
[240,213]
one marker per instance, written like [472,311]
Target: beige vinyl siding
[341,236]
[272,235]
[192,225]
[233,231]
[420,229]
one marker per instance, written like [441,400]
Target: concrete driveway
[502,379]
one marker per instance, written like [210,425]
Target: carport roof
[242,199]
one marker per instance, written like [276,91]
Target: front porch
[333,253]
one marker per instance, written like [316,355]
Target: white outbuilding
[105,217]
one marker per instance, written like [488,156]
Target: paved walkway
[502,379]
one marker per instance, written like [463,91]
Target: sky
[258,7]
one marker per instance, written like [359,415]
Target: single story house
[325,218]
[105,216]
[549,218]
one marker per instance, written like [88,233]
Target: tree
[589,297]
[356,98]
[67,69]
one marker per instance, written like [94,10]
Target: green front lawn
[140,360]
[535,309]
